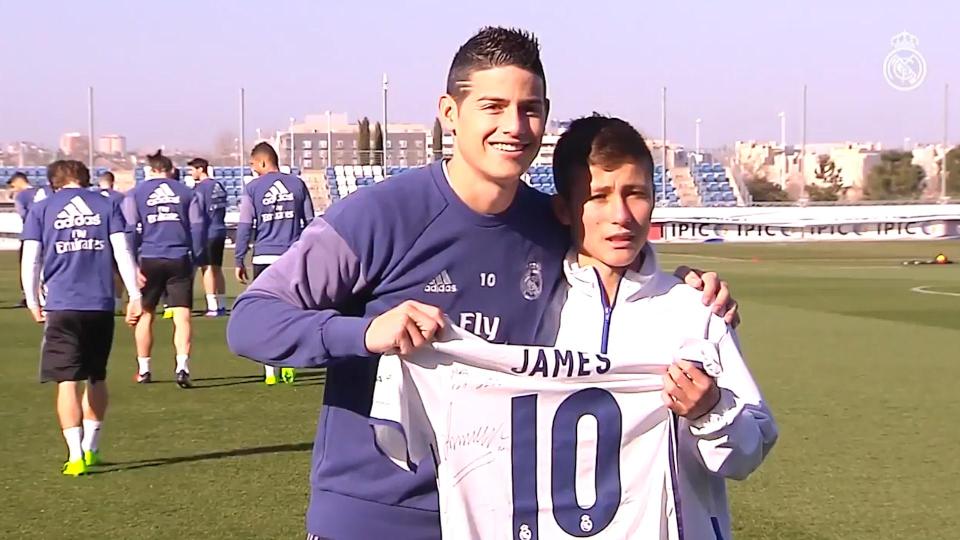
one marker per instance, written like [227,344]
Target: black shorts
[213,256]
[76,345]
[173,277]
[259,269]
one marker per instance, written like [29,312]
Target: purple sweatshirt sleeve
[308,214]
[244,226]
[198,224]
[19,204]
[132,219]
[294,302]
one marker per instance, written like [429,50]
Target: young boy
[212,199]
[620,303]
[75,235]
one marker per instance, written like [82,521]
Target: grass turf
[855,365]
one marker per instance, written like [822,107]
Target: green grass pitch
[858,368]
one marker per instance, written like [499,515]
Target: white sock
[144,362]
[182,360]
[270,371]
[91,435]
[222,301]
[211,302]
[73,435]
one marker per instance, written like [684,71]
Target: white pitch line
[923,290]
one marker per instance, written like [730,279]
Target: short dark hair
[70,169]
[198,163]
[15,176]
[266,150]
[159,162]
[597,140]
[491,47]
[109,177]
[53,168]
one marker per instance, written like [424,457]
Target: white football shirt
[533,442]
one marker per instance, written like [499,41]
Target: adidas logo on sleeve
[162,195]
[277,193]
[76,213]
[441,284]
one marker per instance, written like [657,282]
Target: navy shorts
[213,256]
[172,278]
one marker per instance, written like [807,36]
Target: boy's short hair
[68,170]
[159,162]
[199,163]
[265,150]
[492,47]
[604,141]
[17,176]
[108,176]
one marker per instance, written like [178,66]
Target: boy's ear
[560,209]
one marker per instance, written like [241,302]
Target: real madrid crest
[904,68]
[532,283]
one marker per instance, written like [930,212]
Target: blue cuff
[343,336]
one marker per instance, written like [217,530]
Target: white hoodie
[653,315]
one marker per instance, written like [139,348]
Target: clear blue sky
[168,71]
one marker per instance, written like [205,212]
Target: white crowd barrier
[752,224]
[810,224]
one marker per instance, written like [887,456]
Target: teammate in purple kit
[105,184]
[212,199]
[24,198]
[164,223]
[279,208]
[105,188]
[76,236]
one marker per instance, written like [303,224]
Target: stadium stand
[713,185]
[38,175]
[343,180]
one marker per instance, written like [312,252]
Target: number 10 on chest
[573,519]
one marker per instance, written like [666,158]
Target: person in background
[25,196]
[75,238]
[278,206]
[105,188]
[212,199]
[164,224]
